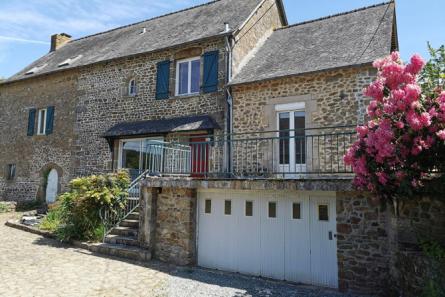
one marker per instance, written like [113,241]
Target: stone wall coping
[313,184]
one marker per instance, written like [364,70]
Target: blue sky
[26,25]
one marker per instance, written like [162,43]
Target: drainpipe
[229,101]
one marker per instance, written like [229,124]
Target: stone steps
[121,251]
[125,240]
[125,231]
[130,223]
[133,216]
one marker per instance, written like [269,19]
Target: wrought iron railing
[267,154]
[112,216]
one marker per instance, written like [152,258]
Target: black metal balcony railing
[270,154]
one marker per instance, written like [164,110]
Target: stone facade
[88,101]
[103,100]
[167,225]
[362,243]
[34,155]
[255,31]
[335,99]
[422,218]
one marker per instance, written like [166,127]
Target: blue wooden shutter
[49,120]
[31,121]
[163,80]
[210,76]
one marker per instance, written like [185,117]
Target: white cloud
[7,38]
[39,19]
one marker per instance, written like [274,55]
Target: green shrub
[76,213]
[52,220]
[435,284]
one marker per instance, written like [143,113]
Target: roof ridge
[335,15]
[147,20]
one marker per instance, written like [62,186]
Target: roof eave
[8,81]
[234,84]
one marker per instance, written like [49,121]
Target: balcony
[286,154]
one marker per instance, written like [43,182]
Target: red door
[200,156]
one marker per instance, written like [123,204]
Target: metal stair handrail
[112,217]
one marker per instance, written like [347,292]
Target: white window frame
[132,90]
[189,83]
[39,119]
[290,108]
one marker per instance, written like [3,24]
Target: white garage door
[281,235]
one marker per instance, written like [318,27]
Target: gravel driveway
[34,266]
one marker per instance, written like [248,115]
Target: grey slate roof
[352,38]
[189,123]
[177,28]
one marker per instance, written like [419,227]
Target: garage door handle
[330,235]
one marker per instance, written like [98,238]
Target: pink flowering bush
[403,143]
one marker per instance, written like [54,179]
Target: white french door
[292,141]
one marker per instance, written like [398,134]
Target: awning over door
[181,124]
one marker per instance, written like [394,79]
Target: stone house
[233,124]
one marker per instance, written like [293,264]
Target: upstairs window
[188,76]
[10,172]
[41,123]
[132,88]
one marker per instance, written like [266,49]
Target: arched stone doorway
[52,186]
[50,183]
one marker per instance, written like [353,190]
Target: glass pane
[227,207]
[272,209]
[208,206]
[249,208]
[300,140]
[131,156]
[152,155]
[196,76]
[183,78]
[323,213]
[284,124]
[296,211]
[42,119]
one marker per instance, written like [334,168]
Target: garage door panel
[226,232]
[297,239]
[282,235]
[206,236]
[248,239]
[323,242]
[272,237]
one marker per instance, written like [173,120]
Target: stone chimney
[59,40]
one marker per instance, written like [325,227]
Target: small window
[41,128]
[132,89]
[228,207]
[188,76]
[249,208]
[272,209]
[10,174]
[296,211]
[208,206]
[323,212]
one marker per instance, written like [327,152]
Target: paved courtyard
[34,266]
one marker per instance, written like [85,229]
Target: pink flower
[413,120]
[433,112]
[412,92]
[400,125]
[383,178]
[441,134]
[425,119]
[395,56]
[417,63]
[362,131]
[375,90]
